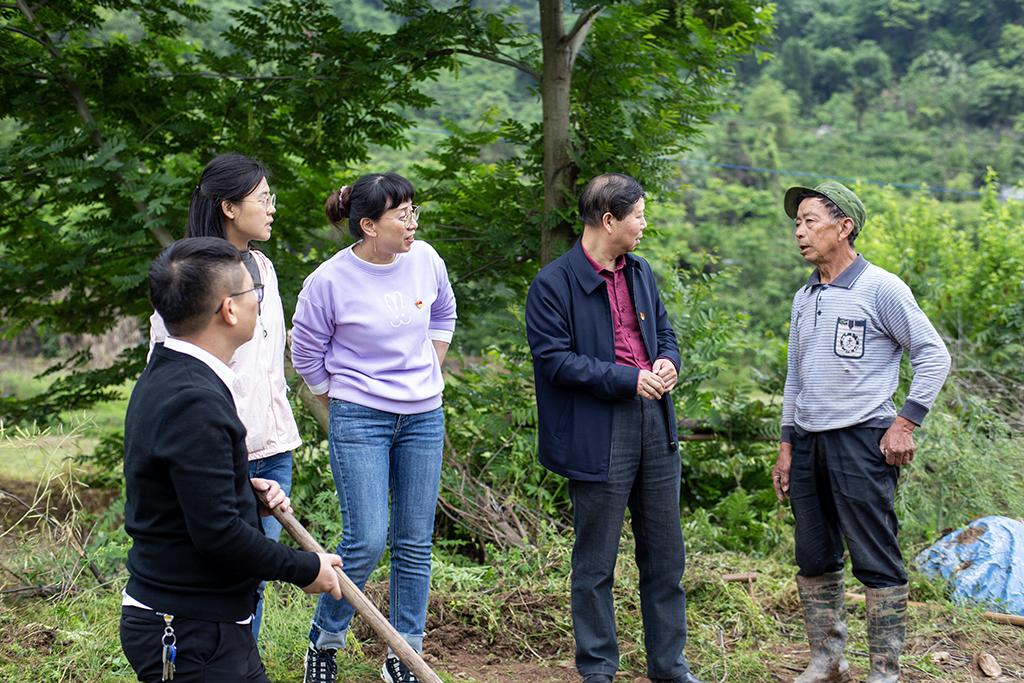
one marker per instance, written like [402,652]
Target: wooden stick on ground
[747,577]
[1011,619]
[366,609]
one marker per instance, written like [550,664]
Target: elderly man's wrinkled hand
[780,473]
[897,443]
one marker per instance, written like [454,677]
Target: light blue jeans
[276,468]
[376,455]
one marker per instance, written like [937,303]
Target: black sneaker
[395,671]
[320,665]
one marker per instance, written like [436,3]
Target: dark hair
[188,278]
[834,212]
[228,177]
[370,197]
[612,193]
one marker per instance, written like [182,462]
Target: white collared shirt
[226,374]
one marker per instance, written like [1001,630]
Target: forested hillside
[110,109]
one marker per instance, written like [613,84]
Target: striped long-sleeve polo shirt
[845,342]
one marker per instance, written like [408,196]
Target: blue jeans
[276,468]
[644,474]
[840,487]
[376,455]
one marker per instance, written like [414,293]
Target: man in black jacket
[198,550]
[605,360]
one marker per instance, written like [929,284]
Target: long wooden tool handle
[366,609]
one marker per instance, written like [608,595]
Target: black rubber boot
[887,629]
[823,599]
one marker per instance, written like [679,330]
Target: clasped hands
[655,383]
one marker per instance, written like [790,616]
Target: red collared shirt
[629,342]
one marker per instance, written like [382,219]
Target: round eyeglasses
[413,215]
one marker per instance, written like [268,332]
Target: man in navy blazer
[605,361]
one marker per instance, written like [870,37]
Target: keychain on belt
[168,640]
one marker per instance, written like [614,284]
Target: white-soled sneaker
[395,671]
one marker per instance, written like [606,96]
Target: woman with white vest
[233,202]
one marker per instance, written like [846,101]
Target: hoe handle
[366,609]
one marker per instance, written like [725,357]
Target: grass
[516,607]
[750,638]
[33,453]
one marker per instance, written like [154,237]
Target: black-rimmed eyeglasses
[256,288]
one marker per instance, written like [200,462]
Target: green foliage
[708,335]
[969,280]
[952,480]
[481,215]
[650,73]
[742,522]
[492,425]
[111,135]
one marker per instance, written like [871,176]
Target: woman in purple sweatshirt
[371,328]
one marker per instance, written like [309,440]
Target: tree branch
[28,74]
[579,31]
[482,268]
[500,60]
[238,77]
[85,114]
[454,227]
[28,35]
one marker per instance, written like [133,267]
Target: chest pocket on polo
[849,341]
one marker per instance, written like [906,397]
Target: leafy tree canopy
[106,133]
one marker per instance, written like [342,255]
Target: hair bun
[337,206]
[343,200]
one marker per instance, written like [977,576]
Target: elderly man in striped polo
[843,441]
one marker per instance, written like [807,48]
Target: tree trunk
[559,54]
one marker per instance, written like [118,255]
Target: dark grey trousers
[644,476]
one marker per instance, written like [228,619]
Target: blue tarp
[983,562]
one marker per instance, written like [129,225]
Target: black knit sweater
[199,550]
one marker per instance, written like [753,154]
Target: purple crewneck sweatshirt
[362,332]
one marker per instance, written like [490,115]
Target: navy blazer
[569,327]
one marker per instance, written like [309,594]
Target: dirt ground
[23,503]
[463,654]
[467,653]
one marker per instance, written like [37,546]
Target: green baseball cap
[848,202]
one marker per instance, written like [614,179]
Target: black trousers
[207,651]
[840,487]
